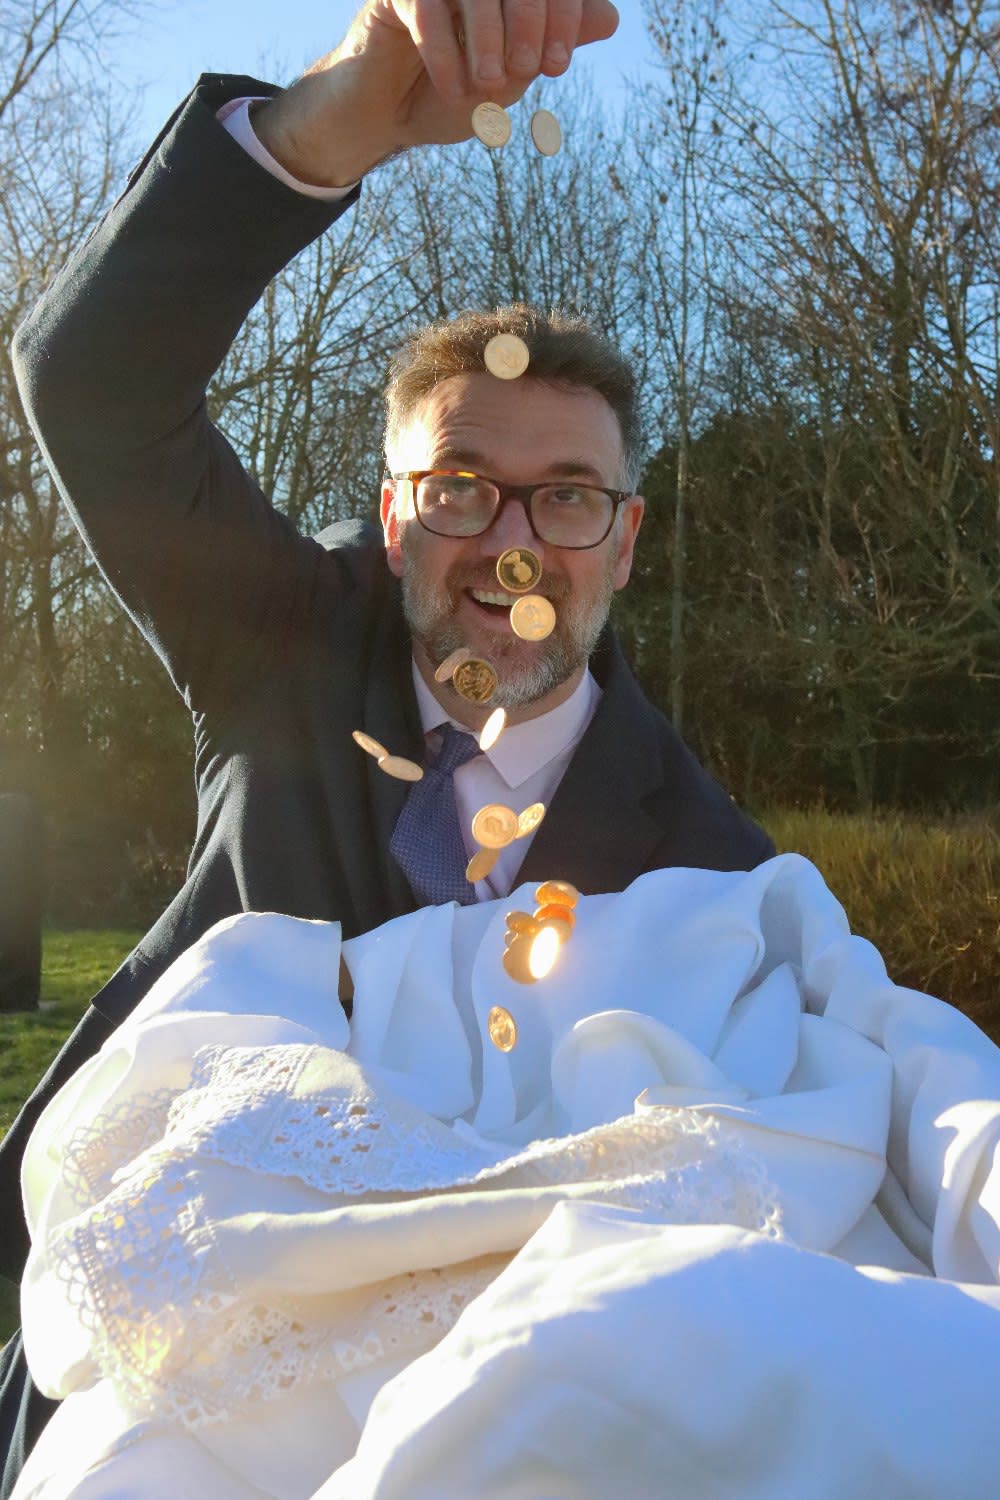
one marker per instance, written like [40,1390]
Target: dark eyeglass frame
[524,494]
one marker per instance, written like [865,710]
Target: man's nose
[510,529]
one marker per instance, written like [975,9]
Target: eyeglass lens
[564,514]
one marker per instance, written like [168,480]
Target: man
[282,646]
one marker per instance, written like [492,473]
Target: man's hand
[410,72]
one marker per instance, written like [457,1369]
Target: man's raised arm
[115,360]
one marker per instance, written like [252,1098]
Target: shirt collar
[525,748]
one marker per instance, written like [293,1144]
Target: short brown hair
[564,350]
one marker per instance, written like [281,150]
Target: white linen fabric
[726,1221]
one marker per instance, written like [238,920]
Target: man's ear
[632,513]
[389,512]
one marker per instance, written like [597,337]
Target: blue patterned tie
[427,840]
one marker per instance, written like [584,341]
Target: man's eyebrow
[563,468]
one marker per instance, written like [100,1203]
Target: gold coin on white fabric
[481,864]
[475,680]
[532,617]
[492,729]
[506,356]
[518,570]
[451,663]
[502,1028]
[371,746]
[494,826]
[546,132]
[491,123]
[529,820]
[401,768]
[517,959]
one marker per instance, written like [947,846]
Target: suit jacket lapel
[392,716]
[596,833]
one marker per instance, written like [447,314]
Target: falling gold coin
[546,132]
[368,744]
[451,663]
[400,767]
[517,959]
[494,826]
[532,618]
[518,570]
[557,891]
[529,820]
[506,356]
[521,922]
[492,729]
[491,124]
[502,1028]
[481,864]
[475,680]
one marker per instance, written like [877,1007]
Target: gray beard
[429,613]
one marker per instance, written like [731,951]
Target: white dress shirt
[524,766]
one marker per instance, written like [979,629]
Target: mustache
[470,576]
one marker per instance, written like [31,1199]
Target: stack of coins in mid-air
[532,940]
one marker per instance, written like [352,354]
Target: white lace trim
[169,1324]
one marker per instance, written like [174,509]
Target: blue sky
[176,41]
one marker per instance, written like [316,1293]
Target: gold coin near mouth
[557,892]
[506,356]
[494,826]
[475,680]
[492,729]
[518,570]
[368,744]
[481,864]
[491,124]
[546,132]
[529,820]
[451,664]
[502,1028]
[400,767]
[532,617]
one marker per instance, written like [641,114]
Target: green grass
[74,966]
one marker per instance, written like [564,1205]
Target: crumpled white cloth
[726,1222]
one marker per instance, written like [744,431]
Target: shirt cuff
[234,116]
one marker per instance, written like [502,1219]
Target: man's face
[518,432]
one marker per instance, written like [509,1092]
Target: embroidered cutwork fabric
[145,1261]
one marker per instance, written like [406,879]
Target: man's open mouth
[494,600]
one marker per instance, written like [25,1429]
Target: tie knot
[456,748]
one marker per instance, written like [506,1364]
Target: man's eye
[566,494]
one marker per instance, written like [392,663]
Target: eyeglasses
[563,514]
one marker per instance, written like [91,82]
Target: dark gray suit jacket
[280,645]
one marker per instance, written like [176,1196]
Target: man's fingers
[436,37]
[562,31]
[482,27]
[598,21]
[524,37]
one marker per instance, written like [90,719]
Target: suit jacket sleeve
[113,366]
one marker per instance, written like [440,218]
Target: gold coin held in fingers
[546,132]
[400,767]
[474,680]
[494,826]
[371,746]
[451,663]
[506,356]
[481,864]
[492,729]
[491,124]
[532,618]
[529,820]
[518,570]
[502,1028]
